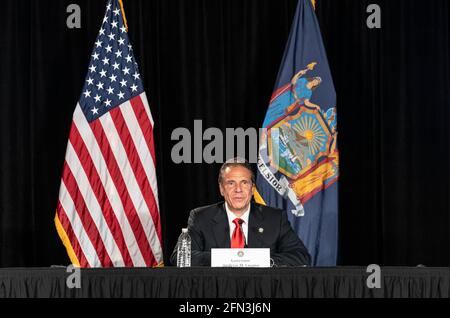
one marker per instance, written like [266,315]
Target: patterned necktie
[237,239]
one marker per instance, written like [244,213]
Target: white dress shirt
[231,216]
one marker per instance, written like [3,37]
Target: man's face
[237,188]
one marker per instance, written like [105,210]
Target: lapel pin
[260,230]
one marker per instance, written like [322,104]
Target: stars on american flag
[113,76]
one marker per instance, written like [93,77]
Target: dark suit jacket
[208,228]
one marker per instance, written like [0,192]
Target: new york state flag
[298,162]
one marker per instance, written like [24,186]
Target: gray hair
[236,162]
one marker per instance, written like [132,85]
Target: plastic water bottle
[184,249]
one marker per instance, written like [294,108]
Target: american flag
[107,212]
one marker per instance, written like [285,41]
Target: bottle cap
[184,230]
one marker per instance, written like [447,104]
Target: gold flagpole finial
[123,14]
[312,1]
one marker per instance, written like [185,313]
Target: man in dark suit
[239,223]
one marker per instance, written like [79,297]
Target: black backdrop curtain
[217,61]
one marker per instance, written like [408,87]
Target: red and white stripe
[108,200]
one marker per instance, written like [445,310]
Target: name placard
[240,257]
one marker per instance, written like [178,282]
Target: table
[236,283]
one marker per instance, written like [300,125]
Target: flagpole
[123,14]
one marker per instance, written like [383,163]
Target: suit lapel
[255,227]
[221,229]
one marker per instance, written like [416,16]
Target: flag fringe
[258,197]
[63,235]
